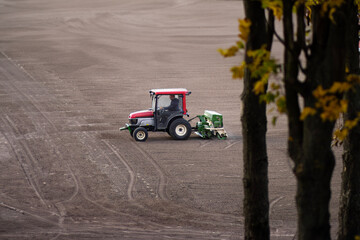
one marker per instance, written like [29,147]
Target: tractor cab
[168,105]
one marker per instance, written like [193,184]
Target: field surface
[70,73]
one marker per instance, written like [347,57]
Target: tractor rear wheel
[140,134]
[180,129]
[168,131]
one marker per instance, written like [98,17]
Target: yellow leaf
[244,28]
[351,123]
[228,52]
[259,87]
[353,78]
[341,134]
[275,5]
[339,87]
[281,104]
[344,105]
[275,86]
[331,15]
[238,71]
[319,92]
[329,115]
[240,44]
[306,112]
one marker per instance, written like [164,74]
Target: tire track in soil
[10,71]
[80,189]
[29,173]
[134,175]
[29,98]
[60,205]
[35,165]
[218,217]
[101,153]
[84,192]
[24,157]
[128,167]
[231,144]
[161,189]
[36,109]
[21,211]
[161,185]
[135,203]
[136,167]
[273,202]
[22,97]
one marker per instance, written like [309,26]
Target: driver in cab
[174,104]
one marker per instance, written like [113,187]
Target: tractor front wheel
[180,129]
[140,134]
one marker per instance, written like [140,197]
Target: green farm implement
[210,124]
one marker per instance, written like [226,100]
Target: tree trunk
[313,176]
[310,140]
[254,127]
[349,212]
[255,179]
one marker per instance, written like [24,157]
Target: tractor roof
[170,91]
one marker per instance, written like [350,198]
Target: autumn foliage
[330,102]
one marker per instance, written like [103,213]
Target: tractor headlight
[133,120]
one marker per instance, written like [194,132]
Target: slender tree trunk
[255,179]
[254,127]
[349,214]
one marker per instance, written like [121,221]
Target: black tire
[168,132]
[180,129]
[140,134]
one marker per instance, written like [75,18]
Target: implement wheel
[221,136]
[180,129]
[140,134]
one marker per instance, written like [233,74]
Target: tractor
[167,115]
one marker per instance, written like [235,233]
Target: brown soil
[70,73]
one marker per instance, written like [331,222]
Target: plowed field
[70,73]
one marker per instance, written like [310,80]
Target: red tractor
[166,114]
